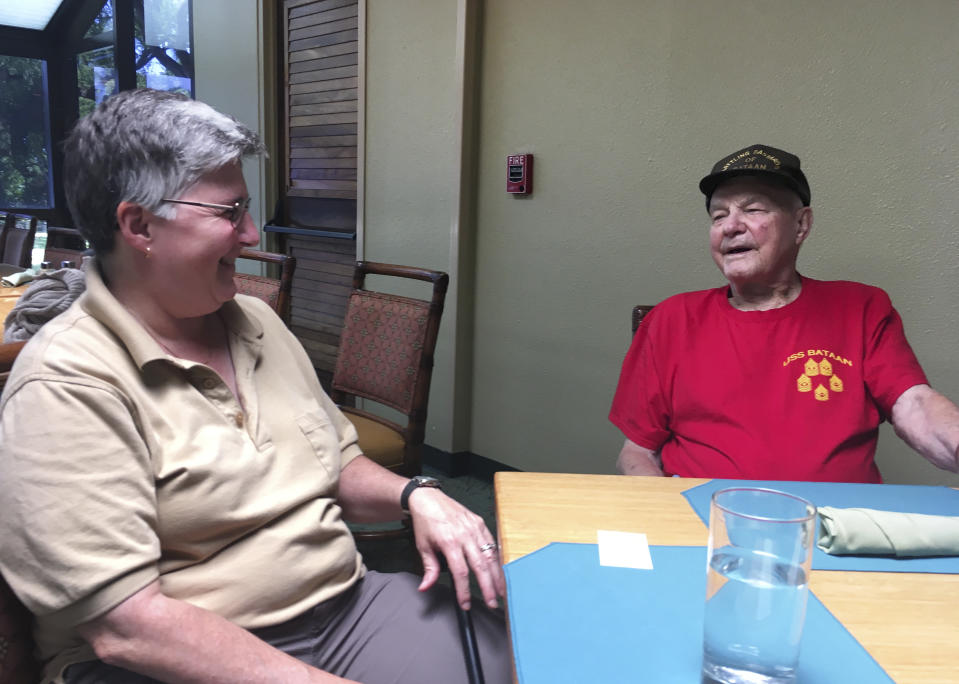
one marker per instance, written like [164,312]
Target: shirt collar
[100,303]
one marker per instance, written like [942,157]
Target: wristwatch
[414,483]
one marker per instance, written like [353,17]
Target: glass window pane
[163,55]
[102,26]
[166,23]
[96,77]
[25,179]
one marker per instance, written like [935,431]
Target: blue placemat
[575,621]
[900,498]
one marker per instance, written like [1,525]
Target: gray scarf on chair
[49,295]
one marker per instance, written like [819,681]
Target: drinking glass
[757,584]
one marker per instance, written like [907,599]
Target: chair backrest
[273,291]
[387,344]
[639,313]
[57,255]
[18,240]
[6,220]
[65,238]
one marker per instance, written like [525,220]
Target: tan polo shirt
[120,464]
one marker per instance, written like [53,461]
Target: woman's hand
[370,493]
[444,525]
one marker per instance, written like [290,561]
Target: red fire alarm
[519,174]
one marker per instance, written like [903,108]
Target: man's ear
[134,224]
[805,224]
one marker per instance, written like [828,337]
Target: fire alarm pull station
[519,174]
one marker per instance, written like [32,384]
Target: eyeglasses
[237,210]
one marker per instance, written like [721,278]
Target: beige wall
[233,70]
[412,209]
[626,104]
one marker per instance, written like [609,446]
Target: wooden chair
[639,313]
[65,238]
[386,356]
[5,221]
[57,255]
[17,663]
[18,240]
[273,291]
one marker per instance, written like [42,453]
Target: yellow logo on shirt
[820,368]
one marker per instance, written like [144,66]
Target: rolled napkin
[49,295]
[866,531]
[15,279]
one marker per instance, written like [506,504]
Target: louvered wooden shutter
[322,92]
[322,43]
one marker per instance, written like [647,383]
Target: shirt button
[239,419]
[209,383]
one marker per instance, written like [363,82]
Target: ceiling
[35,14]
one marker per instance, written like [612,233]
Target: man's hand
[637,460]
[443,524]
[929,423]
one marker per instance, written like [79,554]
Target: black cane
[470,649]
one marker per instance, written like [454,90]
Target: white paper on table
[623,549]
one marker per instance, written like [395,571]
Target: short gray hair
[142,146]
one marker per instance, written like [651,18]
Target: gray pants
[383,631]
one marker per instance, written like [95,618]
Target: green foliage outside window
[96,68]
[24,153]
[96,77]
[162,55]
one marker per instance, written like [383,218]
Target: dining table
[908,622]
[8,299]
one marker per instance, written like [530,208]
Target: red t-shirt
[795,393]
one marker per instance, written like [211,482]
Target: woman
[175,479]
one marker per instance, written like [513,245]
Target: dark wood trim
[310,232]
[19,42]
[123,35]
[281,149]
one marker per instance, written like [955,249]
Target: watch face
[426,481]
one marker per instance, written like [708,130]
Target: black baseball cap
[763,161]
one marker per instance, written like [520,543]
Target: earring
[147,255]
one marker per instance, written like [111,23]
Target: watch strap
[413,484]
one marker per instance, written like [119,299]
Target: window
[25,178]
[162,45]
[96,67]
[52,73]
[160,51]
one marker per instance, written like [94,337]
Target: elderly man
[774,375]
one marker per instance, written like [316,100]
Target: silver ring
[488,546]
